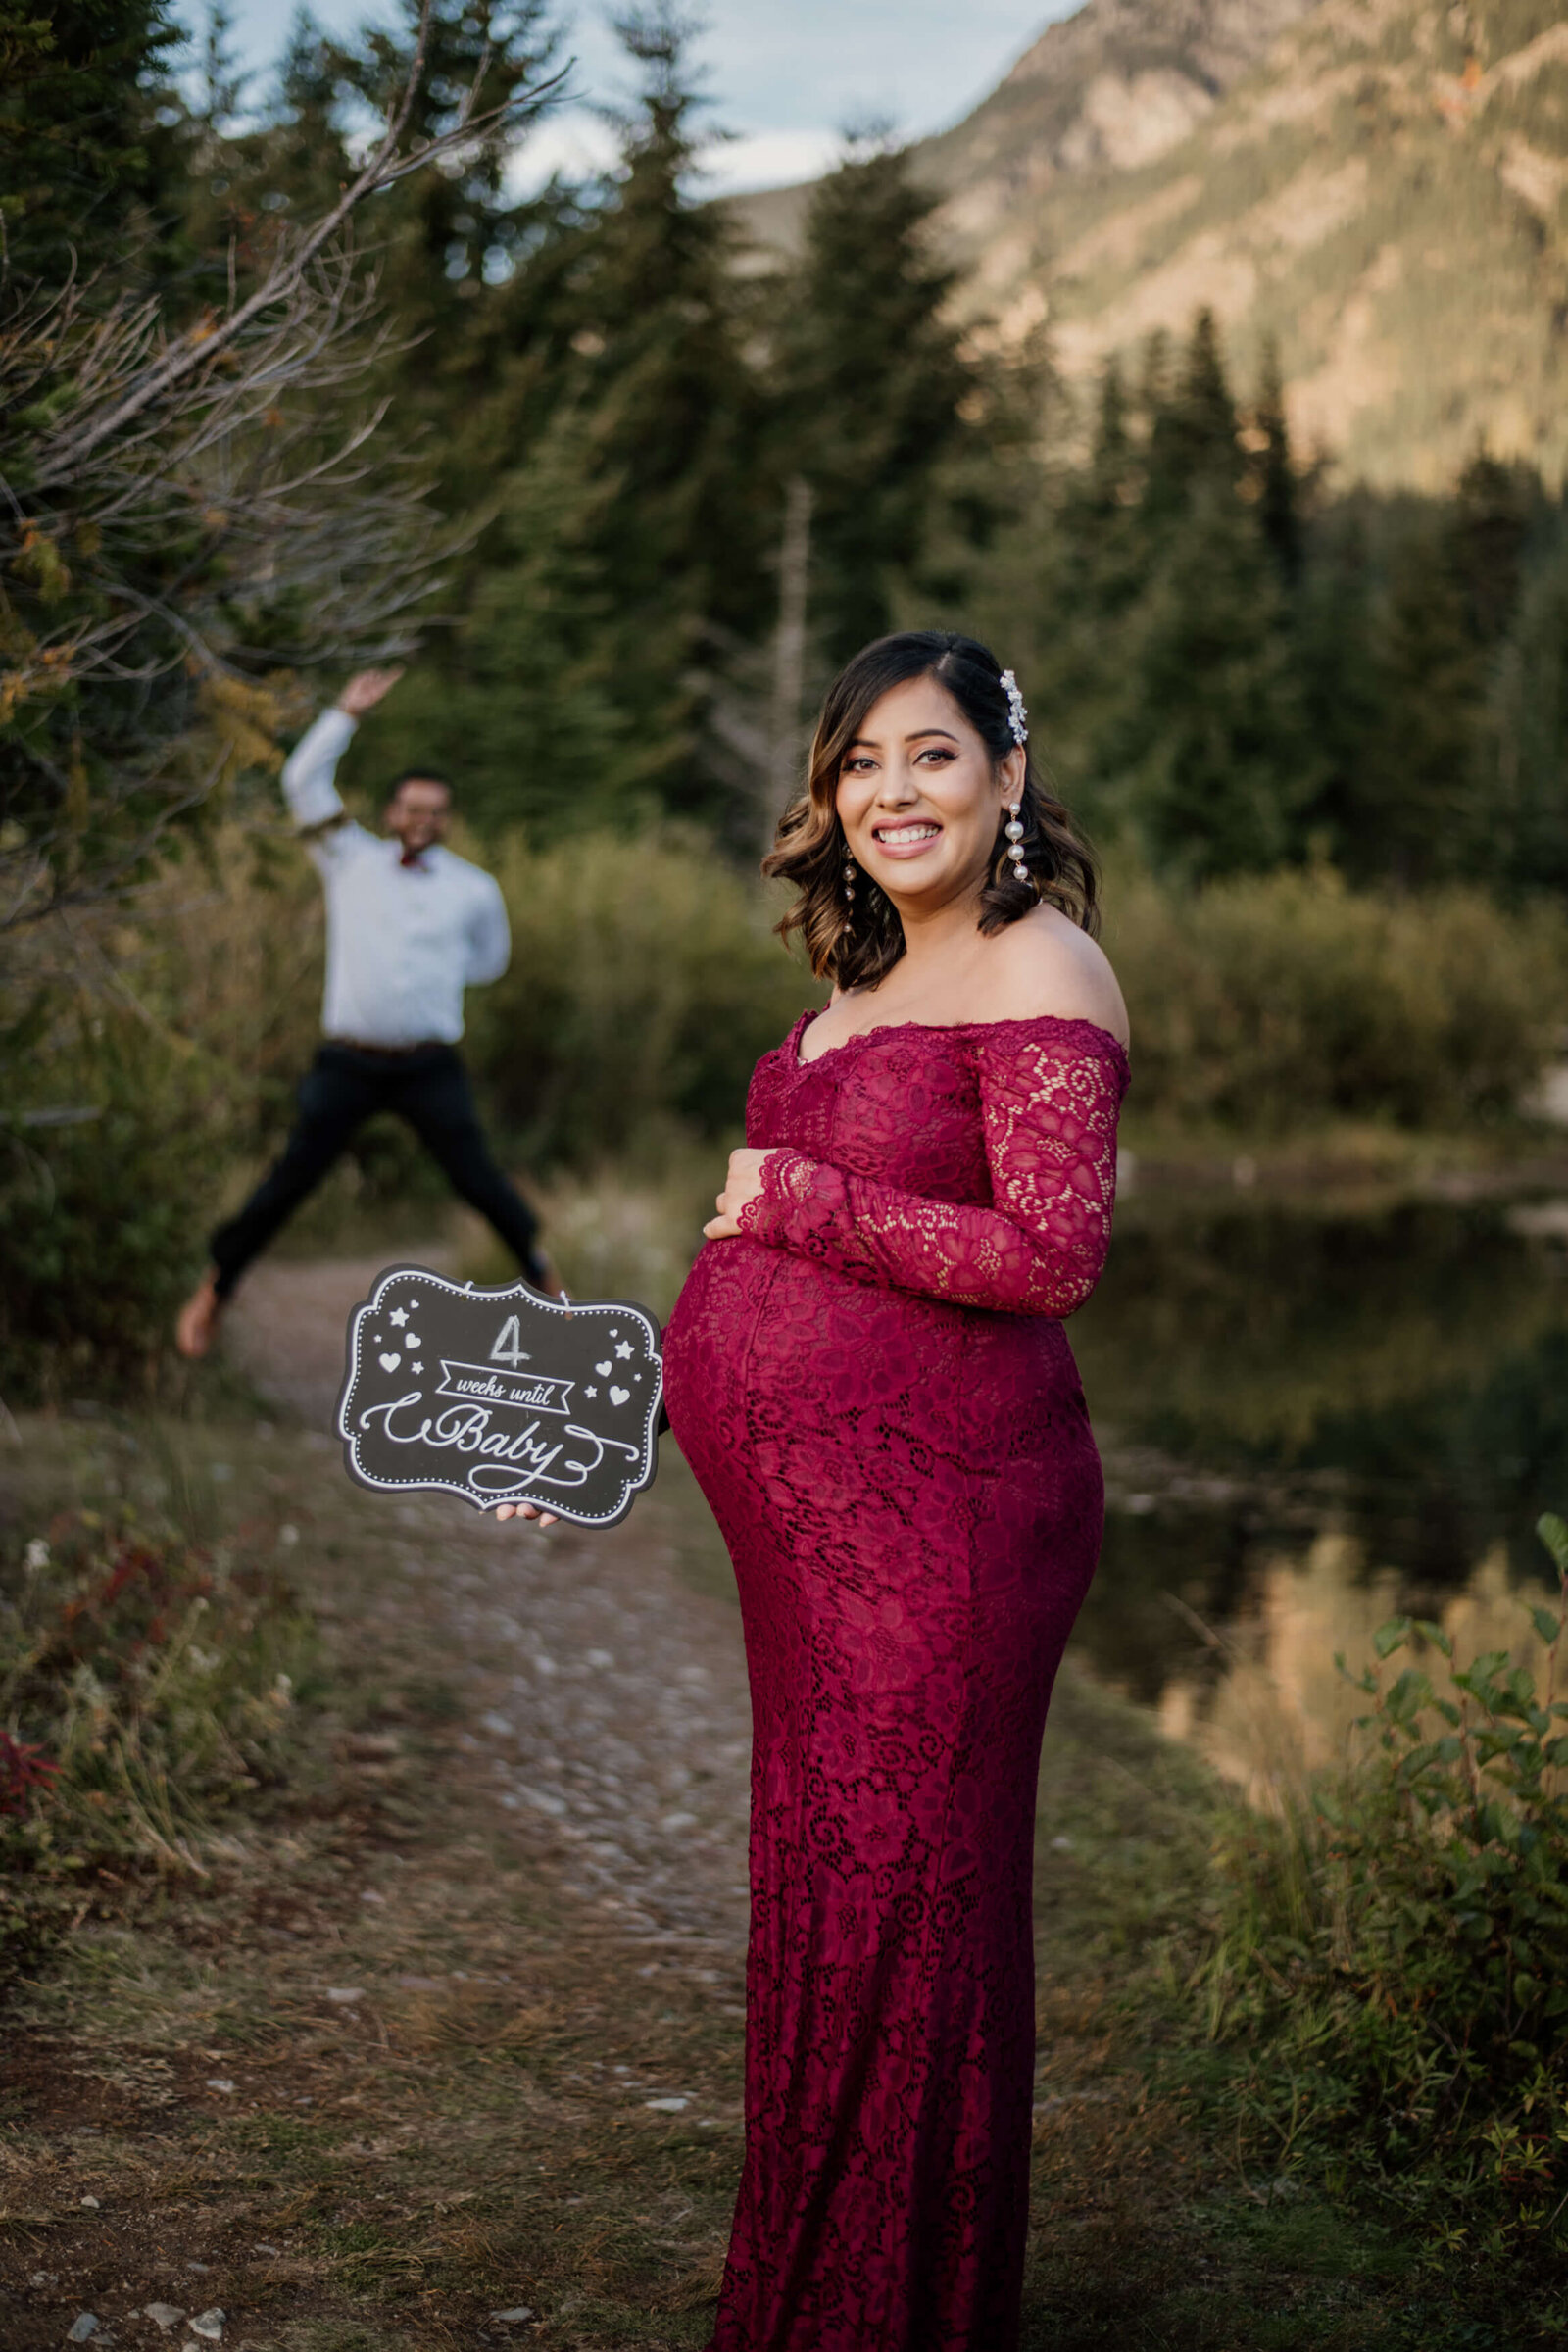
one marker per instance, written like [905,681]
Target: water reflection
[1309,1421]
[1278,1709]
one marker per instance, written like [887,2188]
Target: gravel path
[604,1669]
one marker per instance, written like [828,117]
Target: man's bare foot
[197,1324]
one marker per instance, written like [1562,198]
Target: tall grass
[147,1687]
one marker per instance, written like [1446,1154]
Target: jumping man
[408,927]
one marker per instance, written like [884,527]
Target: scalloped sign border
[476,1407]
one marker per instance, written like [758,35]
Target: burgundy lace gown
[875,1392]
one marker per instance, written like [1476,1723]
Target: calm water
[1307,1421]
[1275,1390]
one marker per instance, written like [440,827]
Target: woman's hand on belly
[525,1510]
[743,1183]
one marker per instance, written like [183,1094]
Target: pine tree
[1529,724]
[525,714]
[1104,516]
[630,550]
[458,227]
[1271,472]
[1194,431]
[1494,508]
[1212,736]
[1418,818]
[872,384]
[303,158]
[90,152]
[669,420]
[1073,565]
[448,241]
[1204,741]
[1335,604]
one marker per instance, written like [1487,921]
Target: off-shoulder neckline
[1028,1020]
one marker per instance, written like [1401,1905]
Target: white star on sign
[590,1391]
[398,1315]
[416,1367]
[624,1349]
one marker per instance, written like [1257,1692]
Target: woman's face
[919,797]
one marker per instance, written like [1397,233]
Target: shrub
[109,1159]
[146,1687]
[645,983]
[1387,1977]
[1273,1002]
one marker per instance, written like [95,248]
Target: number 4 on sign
[508,1347]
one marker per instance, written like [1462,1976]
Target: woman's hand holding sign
[743,1183]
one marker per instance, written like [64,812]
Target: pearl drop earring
[1021,871]
[849,888]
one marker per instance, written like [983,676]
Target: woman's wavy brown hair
[857,948]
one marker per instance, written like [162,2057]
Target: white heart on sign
[618,1396]
[603,1369]
[390,1364]
[412,1339]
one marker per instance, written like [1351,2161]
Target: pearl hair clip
[1018,715]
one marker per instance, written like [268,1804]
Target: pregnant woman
[868,1375]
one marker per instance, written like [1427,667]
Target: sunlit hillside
[1381,184]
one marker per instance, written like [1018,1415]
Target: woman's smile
[908,837]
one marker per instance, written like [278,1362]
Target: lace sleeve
[1049,1112]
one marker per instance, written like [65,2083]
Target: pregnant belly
[777,1370]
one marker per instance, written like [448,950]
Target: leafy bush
[1274,1002]
[1388,1979]
[645,983]
[146,1686]
[109,1161]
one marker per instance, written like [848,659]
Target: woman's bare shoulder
[1046,964]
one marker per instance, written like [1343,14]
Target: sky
[785,76]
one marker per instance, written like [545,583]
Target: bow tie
[414,859]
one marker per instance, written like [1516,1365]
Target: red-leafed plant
[24,1771]
[146,1682]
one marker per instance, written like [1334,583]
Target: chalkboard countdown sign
[501,1395]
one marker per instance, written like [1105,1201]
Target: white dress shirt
[403,941]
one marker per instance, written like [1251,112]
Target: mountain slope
[1385,194]
[1382,185]
[1113,86]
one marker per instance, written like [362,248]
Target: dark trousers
[343,1087]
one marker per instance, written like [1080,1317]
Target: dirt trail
[613,1693]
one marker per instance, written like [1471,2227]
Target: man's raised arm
[309,770]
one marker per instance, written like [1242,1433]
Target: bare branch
[199,346]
